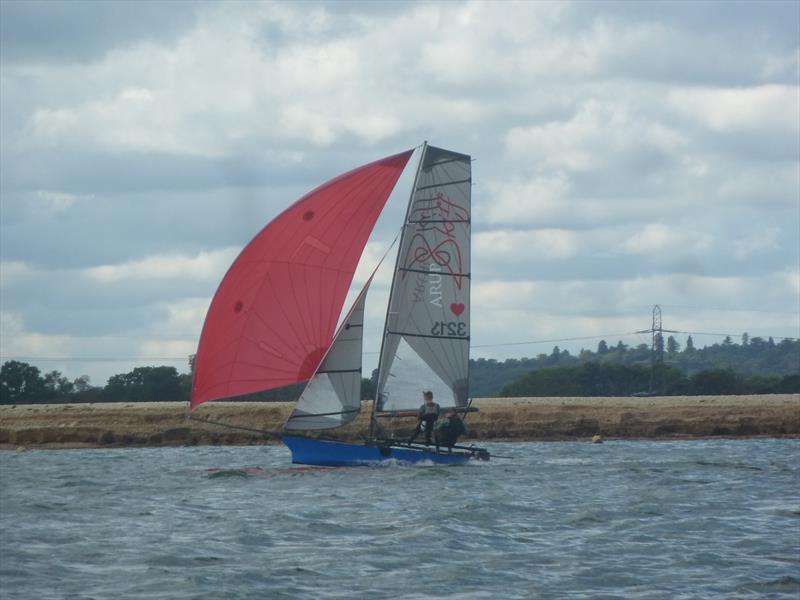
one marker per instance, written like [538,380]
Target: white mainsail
[332,397]
[426,337]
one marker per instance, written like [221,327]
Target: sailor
[428,414]
[448,429]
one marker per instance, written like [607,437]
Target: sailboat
[273,320]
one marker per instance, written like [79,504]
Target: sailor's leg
[416,432]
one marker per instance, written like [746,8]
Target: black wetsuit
[448,430]
[428,414]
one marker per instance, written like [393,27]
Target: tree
[20,383]
[554,357]
[145,384]
[714,382]
[82,384]
[602,347]
[56,386]
[659,344]
[745,339]
[689,345]
[673,347]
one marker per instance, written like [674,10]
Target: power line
[570,339]
[108,359]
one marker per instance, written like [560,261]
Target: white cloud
[55,203]
[13,271]
[763,108]
[658,237]
[205,266]
[15,340]
[524,200]
[184,318]
[166,350]
[757,243]
[534,245]
[599,134]
[793,285]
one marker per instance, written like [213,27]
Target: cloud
[599,134]
[523,200]
[657,237]
[12,271]
[534,245]
[206,266]
[37,31]
[142,147]
[764,108]
[15,340]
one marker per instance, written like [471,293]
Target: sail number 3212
[449,328]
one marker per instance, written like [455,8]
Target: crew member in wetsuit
[428,414]
[448,430]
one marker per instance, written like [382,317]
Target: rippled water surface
[699,519]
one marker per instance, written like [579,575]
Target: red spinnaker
[275,312]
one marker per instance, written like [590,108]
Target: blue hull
[307,451]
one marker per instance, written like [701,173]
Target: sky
[625,155]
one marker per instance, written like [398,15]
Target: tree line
[753,366]
[751,357]
[610,379]
[22,383]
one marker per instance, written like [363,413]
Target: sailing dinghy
[272,322]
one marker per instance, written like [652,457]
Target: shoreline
[154,424]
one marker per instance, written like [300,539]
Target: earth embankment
[521,419]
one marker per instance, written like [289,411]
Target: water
[699,519]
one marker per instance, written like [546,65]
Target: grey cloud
[130,205]
[772,21]
[42,31]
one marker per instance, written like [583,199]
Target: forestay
[426,337]
[333,396]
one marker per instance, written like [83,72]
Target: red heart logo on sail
[457,309]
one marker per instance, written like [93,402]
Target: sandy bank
[166,423]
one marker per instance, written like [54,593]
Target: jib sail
[333,396]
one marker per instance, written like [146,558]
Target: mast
[376,400]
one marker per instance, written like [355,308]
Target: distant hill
[753,357]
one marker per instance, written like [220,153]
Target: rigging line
[571,339]
[263,432]
[327,414]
